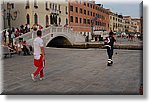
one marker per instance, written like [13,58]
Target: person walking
[39,56]
[109,43]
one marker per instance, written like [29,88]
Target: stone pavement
[75,71]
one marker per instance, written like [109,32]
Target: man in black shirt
[110,45]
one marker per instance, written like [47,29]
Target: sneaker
[41,79]
[111,62]
[32,76]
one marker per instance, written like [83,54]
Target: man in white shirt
[39,56]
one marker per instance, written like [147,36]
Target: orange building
[85,14]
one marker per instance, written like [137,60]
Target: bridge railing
[31,35]
[27,36]
[79,37]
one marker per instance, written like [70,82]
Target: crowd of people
[8,39]
[9,35]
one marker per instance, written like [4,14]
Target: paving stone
[75,71]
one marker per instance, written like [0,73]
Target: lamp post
[92,33]
[93,21]
[10,16]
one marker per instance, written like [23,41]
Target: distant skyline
[126,7]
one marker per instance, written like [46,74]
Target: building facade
[117,23]
[86,17]
[44,13]
[137,24]
[132,24]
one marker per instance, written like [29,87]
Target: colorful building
[87,17]
[132,24]
[117,23]
[84,16]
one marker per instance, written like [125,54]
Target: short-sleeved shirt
[37,44]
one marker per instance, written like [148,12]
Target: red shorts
[39,63]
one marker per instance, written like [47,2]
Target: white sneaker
[41,78]
[32,76]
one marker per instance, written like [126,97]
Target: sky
[124,7]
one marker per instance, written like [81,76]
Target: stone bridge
[54,37]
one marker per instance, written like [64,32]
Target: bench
[7,51]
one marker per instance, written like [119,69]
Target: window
[81,10]
[59,7]
[91,5]
[35,19]
[27,4]
[76,9]
[88,12]
[50,5]
[96,22]
[66,10]
[84,21]
[59,20]
[46,4]
[12,4]
[84,3]
[71,8]
[76,20]
[80,20]
[28,19]
[51,19]
[91,13]
[35,4]
[88,21]
[71,19]
[47,20]
[88,4]
[91,21]
[85,12]
[55,6]
[66,21]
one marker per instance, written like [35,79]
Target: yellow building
[117,23]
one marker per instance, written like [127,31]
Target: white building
[42,12]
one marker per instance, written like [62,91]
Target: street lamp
[92,29]
[10,16]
